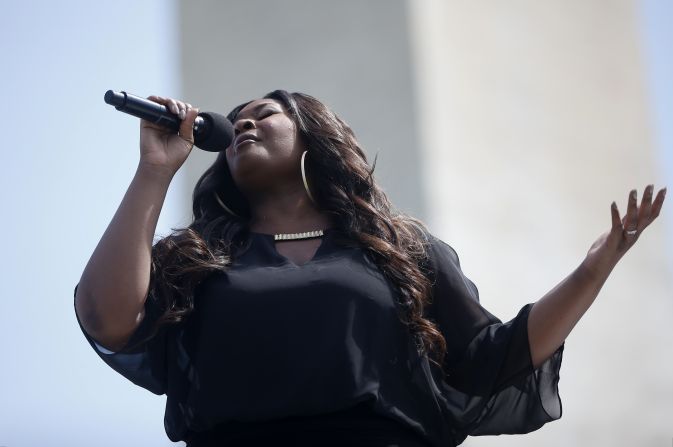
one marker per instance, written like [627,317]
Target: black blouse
[270,340]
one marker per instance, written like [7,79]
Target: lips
[244,136]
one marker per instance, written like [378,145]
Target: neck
[290,212]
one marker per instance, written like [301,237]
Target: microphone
[212,132]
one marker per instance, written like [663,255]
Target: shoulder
[438,252]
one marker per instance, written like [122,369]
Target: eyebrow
[257,107]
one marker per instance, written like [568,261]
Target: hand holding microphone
[161,146]
[169,128]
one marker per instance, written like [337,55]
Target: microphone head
[217,133]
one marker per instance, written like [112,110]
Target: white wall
[67,160]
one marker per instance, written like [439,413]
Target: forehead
[257,104]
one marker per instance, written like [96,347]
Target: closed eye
[266,115]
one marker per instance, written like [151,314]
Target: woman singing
[300,308]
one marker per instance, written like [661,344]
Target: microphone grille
[217,133]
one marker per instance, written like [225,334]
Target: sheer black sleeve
[490,386]
[143,362]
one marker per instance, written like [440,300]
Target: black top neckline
[267,243]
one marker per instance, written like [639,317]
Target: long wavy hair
[341,183]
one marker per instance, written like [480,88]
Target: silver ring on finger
[631,232]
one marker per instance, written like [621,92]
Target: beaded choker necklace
[293,236]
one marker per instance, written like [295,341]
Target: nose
[244,124]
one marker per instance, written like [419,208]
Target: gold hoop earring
[303,176]
[217,198]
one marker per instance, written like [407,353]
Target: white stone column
[533,119]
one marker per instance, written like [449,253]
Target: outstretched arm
[554,315]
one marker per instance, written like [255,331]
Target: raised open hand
[614,243]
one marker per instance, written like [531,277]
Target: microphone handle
[149,110]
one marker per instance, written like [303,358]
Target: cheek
[283,135]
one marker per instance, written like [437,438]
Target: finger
[630,221]
[616,221]
[658,203]
[187,107]
[159,99]
[187,124]
[182,109]
[631,208]
[645,208]
[172,105]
